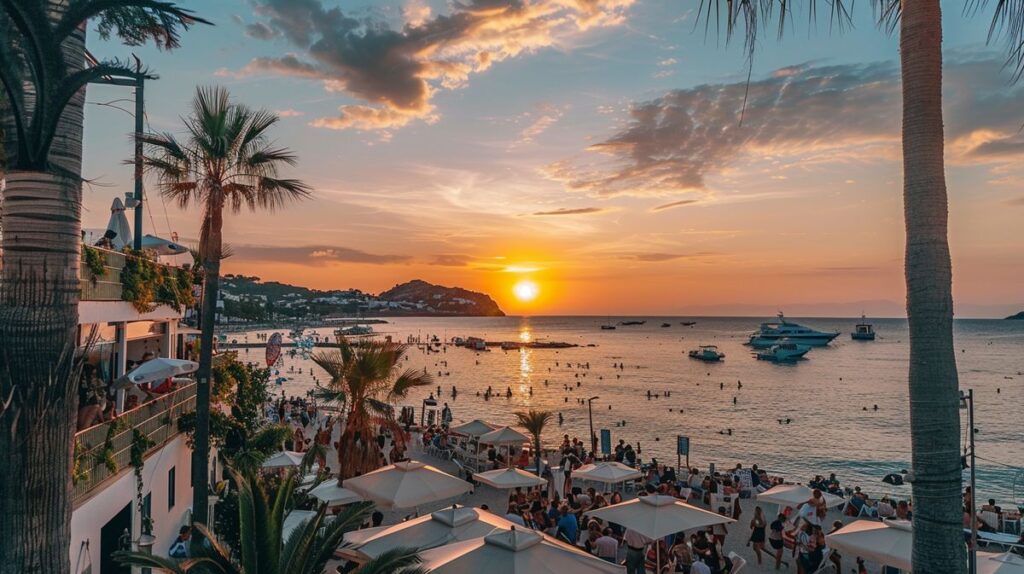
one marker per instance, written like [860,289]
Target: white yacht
[708,353]
[773,332]
[783,351]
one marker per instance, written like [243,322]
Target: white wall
[88,519]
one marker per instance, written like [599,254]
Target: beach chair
[738,562]
[726,500]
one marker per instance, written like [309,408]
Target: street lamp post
[967,399]
[590,414]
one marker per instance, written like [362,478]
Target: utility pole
[140,111]
[593,437]
[972,562]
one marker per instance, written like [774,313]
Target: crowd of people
[97,397]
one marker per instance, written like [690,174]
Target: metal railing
[157,419]
[105,287]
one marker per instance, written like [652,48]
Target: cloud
[451,260]
[314,255]
[260,31]
[1016,201]
[674,204]
[288,113]
[668,62]
[545,117]
[799,115]
[572,211]
[395,73]
[656,257]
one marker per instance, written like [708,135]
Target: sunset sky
[593,147]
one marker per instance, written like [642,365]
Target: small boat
[708,353]
[773,332]
[864,331]
[630,323]
[607,327]
[666,324]
[687,323]
[783,352]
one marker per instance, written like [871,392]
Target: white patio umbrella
[406,485]
[475,427]
[658,516]
[293,520]
[283,459]
[162,246]
[509,478]
[1006,563]
[888,543]
[119,224]
[334,495]
[608,472]
[513,551]
[504,436]
[160,369]
[794,494]
[453,524]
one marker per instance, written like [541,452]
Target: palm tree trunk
[934,389]
[39,293]
[211,286]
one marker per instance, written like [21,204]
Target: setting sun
[526,290]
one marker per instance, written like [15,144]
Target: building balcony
[157,419]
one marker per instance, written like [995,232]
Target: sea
[815,416]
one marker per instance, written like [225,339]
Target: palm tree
[534,423]
[263,548]
[43,78]
[933,379]
[226,161]
[365,380]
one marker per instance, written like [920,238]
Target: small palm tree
[365,379]
[263,549]
[226,162]
[534,423]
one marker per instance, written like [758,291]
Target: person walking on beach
[776,540]
[635,558]
[758,525]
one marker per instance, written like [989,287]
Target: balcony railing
[157,419]
[105,287]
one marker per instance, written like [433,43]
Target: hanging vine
[146,284]
[105,455]
[95,260]
[80,471]
[140,444]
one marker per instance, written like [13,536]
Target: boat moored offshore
[773,332]
[863,331]
[708,353]
[783,352]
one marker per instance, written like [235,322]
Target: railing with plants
[134,277]
[103,451]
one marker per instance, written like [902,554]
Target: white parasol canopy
[1007,563]
[475,427]
[509,478]
[513,551]
[453,524]
[658,515]
[609,472]
[504,436]
[293,520]
[795,494]
[283,459]
[162,246]
[119,224]
[334,495]
[406,485]
[160,369]
[888,543]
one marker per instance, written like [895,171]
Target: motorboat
[687,323]
[354,330]
[607,327]
[708,353]
[863,331]
[773,332]
[663,325]
[783,352]
[631,323]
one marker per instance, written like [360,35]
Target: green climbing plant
[146,284]
[105,455]
[80,471]
[140,444]
[95,260]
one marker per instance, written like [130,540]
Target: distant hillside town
[248,299]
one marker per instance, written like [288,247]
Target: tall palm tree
[534,423]
[43,78]
[933,379]
[365,380]
[225,162]
[263,548]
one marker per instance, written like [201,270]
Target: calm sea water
[825,395]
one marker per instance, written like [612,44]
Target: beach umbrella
[509,478]
[888,543]
[513,551]
[504,436]
[607,472]
[1006,563]
[334,495]
[283,459]
[474,427]
[119,224]
[162,246]
[160,369]
[453,524]
[656,516]
[293,520]
[406,485]
[795,494]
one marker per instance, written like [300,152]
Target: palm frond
[394,561]
[409,379]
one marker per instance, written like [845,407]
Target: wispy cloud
[546,116]
[657,257]
[314,255]
[397,72]
[288,113]
[675,204]
[572,211]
